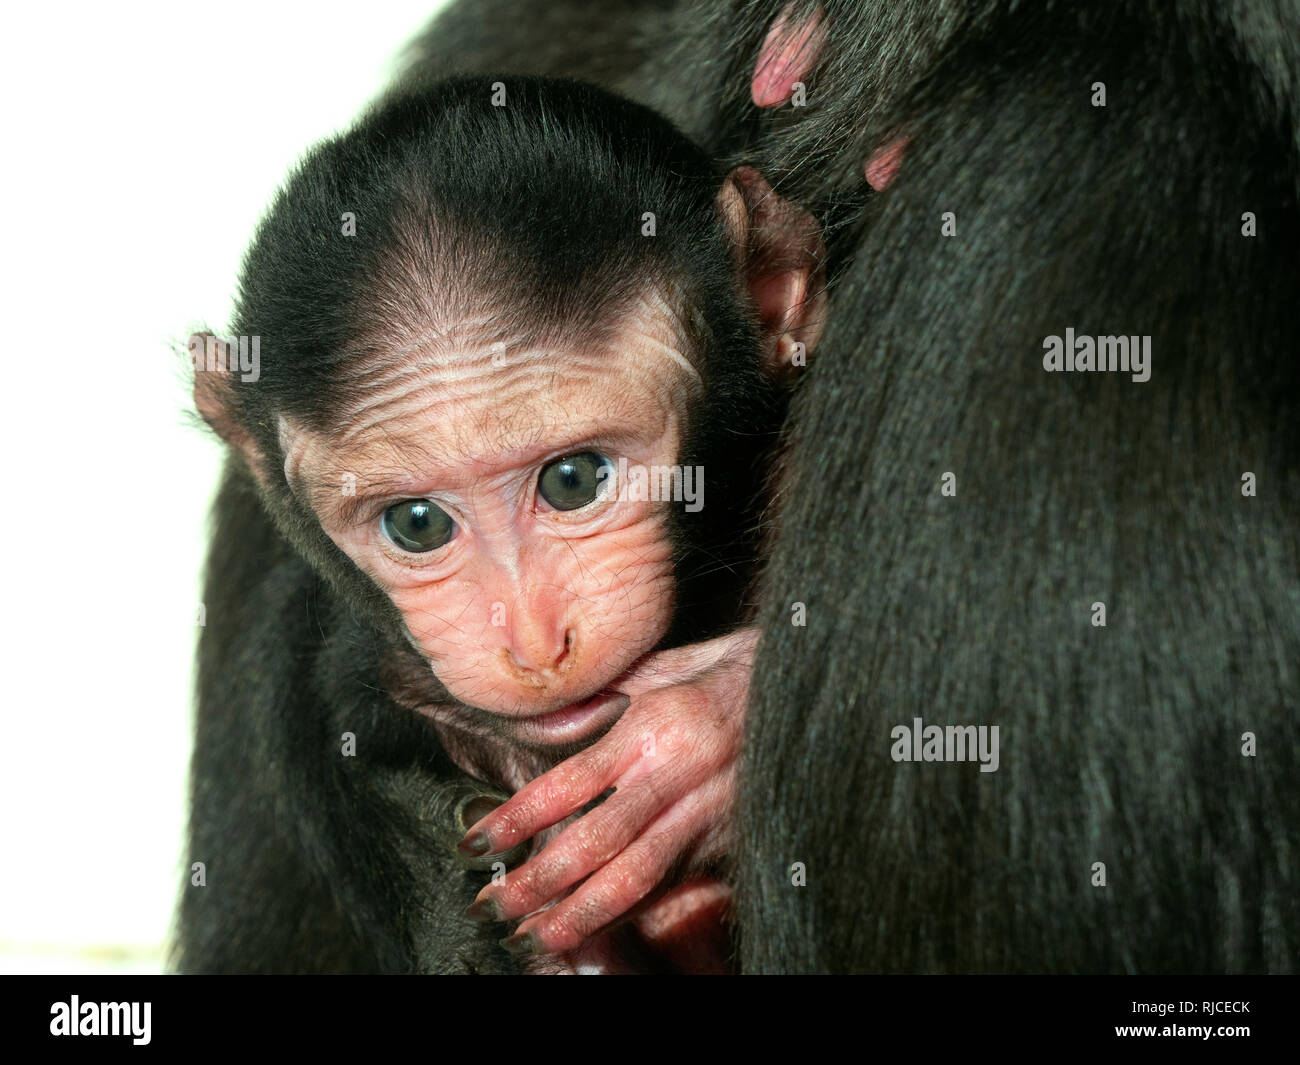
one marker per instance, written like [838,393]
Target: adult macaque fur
[497,311]
[989,175]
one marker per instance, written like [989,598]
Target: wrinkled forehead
[475,404]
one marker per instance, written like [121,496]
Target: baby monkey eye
[575,480]
[417,525]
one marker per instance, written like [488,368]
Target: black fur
[615,45]
[1119,744]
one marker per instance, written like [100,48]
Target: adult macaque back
[519,345]
[1057,403]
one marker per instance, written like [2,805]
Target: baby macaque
[522,354]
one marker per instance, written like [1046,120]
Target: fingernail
[484,910]
[475,845]
[521,943]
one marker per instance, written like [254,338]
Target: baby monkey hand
[671,762]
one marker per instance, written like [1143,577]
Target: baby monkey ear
[214,395]
[779,250]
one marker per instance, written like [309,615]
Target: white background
[141,143]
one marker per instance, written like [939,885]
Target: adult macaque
[490,318]
[1103,565]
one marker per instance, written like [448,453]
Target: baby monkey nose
[540,660]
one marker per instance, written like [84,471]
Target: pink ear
[882,167]
[788,53]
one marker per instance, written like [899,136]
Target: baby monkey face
[480,490]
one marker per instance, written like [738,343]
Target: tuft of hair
[513,224]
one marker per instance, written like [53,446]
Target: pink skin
[527,610]
[789,52]
[586,594]
[671,759]
[882,167]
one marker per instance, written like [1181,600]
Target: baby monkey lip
[577,720]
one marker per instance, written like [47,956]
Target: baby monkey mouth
[575,722]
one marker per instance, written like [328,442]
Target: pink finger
[606,897]
[580,850]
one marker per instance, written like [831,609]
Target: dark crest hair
[529,213]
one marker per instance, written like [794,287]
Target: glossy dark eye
[417,525]
[575,480]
